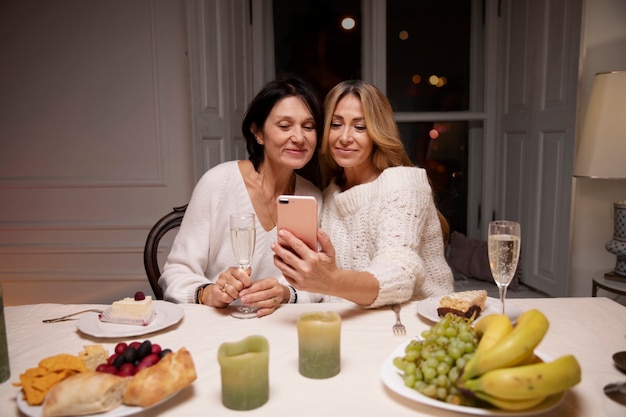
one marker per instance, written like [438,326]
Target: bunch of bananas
[504,370]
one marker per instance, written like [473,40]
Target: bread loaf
[154,384]
[84,393]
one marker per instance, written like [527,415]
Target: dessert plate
[428,308]
[167,314]
[392,378]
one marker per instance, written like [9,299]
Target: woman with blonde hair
[380,235]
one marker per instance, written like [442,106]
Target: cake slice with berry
[138,310]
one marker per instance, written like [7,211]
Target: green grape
[432,364]
[410,368]
[443,381]
[419,385]
[411,355]
[443,368]
[451,332]
[440,355]
[460,363]
[453,374]
[454,351]
[409,380]
[399,363]
[430,391]
[429,373]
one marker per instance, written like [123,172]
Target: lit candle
[244,370]
[319,340]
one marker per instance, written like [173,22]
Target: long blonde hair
[381,126]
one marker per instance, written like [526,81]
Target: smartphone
[298,215]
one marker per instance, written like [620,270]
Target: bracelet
[198,296]
[293,295]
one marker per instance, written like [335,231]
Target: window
[313,40]
[428,57]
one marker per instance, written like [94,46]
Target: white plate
[392,378]
[428,308]
[36,411]
[122,410]
[167,314]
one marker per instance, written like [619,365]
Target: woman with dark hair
[380,237]
[282,127]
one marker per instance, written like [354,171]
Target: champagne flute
[504,245]
[243,238]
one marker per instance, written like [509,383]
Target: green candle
[319,340]
[244,370]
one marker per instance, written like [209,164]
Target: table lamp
[602,150]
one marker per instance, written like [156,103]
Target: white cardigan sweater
[202,249]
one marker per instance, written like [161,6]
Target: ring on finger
[224,287]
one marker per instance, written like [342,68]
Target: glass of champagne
[243,238]
[504,246]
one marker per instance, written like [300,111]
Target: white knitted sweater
[389,227]
[202,248]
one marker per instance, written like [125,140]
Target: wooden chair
[150,251]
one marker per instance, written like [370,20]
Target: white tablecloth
[590,328]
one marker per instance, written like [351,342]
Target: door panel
[221,78]
[541,41]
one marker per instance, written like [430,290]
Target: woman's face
[289,135]
[350,144]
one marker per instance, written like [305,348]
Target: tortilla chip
[63,361]
[36,382]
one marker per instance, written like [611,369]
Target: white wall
[603,49]
[95,143]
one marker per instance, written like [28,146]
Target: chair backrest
[150,251]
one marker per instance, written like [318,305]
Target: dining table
[592,329]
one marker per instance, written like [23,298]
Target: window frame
[482,94]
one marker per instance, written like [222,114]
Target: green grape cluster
[432,365]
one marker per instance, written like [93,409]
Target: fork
[69,316]
[398,328]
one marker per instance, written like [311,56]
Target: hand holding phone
[298,215]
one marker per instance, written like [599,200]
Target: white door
[220,53]
[538,60]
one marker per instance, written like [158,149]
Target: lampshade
[602,149]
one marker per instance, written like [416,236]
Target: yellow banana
[529,359]
[511,405]
[491,329]
[528,332]
[529,381]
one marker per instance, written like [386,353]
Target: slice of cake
[137,310]
[464,304]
